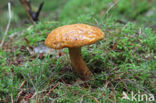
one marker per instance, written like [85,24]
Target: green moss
[123,61]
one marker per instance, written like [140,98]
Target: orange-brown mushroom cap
[75,35]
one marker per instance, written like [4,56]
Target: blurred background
[65,11]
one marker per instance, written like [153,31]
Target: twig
[113,91]
[38,12]
[92,97]
[12,100]
[52,89]
[22,84]
[29,48]
[33,16]
[116,2]
[8,25]
[27,7]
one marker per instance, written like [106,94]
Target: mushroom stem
[78,63]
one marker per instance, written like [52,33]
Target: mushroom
[73,37]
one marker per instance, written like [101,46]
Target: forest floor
[123,63]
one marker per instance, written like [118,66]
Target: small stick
[22,84]
[12,100]
[27,7]
[52,89]
[8,25]
[33,16]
